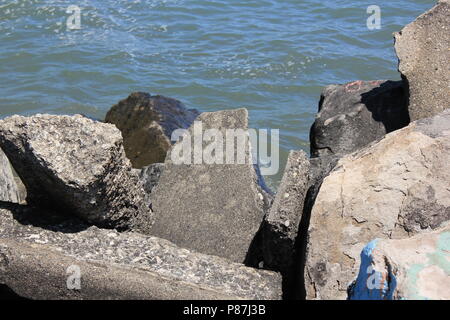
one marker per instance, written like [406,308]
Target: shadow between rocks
[255,253]
[297,290]
[6,293]
[388,104]
[57,221]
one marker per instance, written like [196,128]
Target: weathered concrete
[417,268]
[146,123]
[212,208]
[355,114]
[392,189]
[9,191]
[75,165]
[282,222]
[149,176]
[37,248]
[423,51]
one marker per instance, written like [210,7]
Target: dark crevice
[388,104]
[7,293]
[298,289]
[44,219]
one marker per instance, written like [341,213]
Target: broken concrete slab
[281,224]
[147,123]
[423,51]
[76,165]
[42,257]
[213,208]
[392,189]
[9,190]
[414,268]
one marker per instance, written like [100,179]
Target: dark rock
[423,51]
[355,114]
[213,208]
[147,123]
[39,263]
[75,165]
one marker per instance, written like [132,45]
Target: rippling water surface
[270,56]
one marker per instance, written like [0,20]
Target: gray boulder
[59,259]
[281,225]
[75,165]
[392,189]
[147,123]
[423,51]
[356,114]
[9,190]
[414,268]
[213,207]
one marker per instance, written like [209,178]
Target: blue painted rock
[417,268]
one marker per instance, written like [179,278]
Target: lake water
[272,57]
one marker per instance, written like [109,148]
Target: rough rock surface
[75,165]
[38,263]
[423,49]
[9,190]
[146,123]
[282,222]
[355,114]
[149,176]
[213,208]
[392,189]
[417,268]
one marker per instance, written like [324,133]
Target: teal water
[272,57]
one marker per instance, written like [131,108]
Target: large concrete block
[423,51]
[214,208]
[45,257]
[75,165]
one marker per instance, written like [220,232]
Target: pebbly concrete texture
[423,50]
[392,189]
[75,165]
[45,256]
[149,175]
[215,208]
[147,123]
[416,268]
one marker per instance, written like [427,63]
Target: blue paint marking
[370,284]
